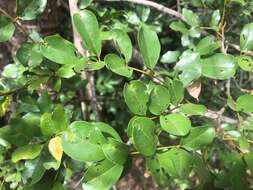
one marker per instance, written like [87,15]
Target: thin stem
[147,74]
[159,148]
[16,22]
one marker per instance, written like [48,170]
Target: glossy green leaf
[147,38]
[26,152]
[198,137]
[193,109]
[84,3]
[175,124]
[179,27]
[176,89]
[142,130]
[245,63]
[176,162]
[136,97]
[219,66]
[115,151]
[46,125]
[30,9]
[83,142]
[191,18]
[65,71]
[118,65]
[7,29]
[207,46]
[59,50]
[189,65]
[170,57]
[215,19]
[246,37]
[102,175]
[124,43]
[93,66]
[159,99]
[87,26]
[245,103]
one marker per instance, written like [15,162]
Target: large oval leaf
[198,137]
[149,46]
[136,97]
[143,133]
[87,26]
[175,124]
[118,65]
[59,50]
[7,29]
[219,66]
[246,38]
[245,103]
[30,9]
[159,99]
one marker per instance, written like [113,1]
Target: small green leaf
[176,89]
[175,124]
[87,26]
[219,66]
[193,109]
[246,38]
[245,103]
[215,19]
[115,151]
[7,29]
[118,65]
[207,46]
[191,18]
[143,133]
[102,175]
[124,43]
[46,125]
[159,99]
[26,152]
[136,97]
[170,57]
[198,137]
[147,38]
[59,50]
[84,3]
[30,9]
[189,65]
[176,162]
[245,63]
[179,27]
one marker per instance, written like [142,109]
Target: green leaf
[115,151]
[7,29]
[246,38]
[159,99]
[93,66]
[245,63]
[30,9]
[136,97]
[118,65]
[215,19]
[65,71]
[84,3]
[198,137]
[170,57]
[176,162]
[59,50]
[159,174]
[58,186]
[175,124]
[26,152]
[189,65]
[87,26]
[60,118]
[142,130]
[147,38]
[207,46]
[191,18]
[219,66]
[249,160]
[179,27]
[176,89]
[83,142]
[107,130]
[102,175]
[245,103]
[124,43]
[193,109]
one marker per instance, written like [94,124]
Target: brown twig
[157,6]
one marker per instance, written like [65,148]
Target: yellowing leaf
[4,105]
[55,148]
